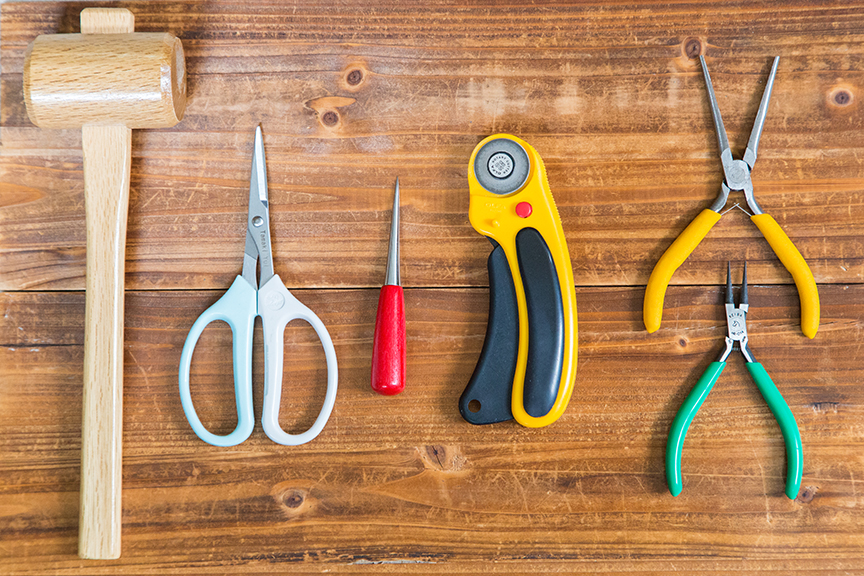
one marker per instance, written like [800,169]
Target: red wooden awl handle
[388,345]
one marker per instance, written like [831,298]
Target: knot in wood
[692,47]
[443,458]
[293,498]
[437,455]
[842,98]
[806,495]
[330,118]
[354,77]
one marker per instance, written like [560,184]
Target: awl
[388,343]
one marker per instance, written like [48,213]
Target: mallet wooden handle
[107,160]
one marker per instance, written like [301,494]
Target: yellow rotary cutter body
[527,367]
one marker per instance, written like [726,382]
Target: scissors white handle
[237,308]
[277,307]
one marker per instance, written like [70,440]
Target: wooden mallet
[106,81]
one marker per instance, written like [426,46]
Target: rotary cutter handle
[736,176]
[528,362]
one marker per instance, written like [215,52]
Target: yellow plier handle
[683,246]
[797,267]
[675,255]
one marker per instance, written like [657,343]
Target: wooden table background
[610,95]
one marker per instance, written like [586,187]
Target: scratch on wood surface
[400,561]
[141,369]
[764,482]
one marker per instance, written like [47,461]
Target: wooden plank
[606,94]
[611,96]
[406,480]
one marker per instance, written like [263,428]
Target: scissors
[736,176]
[276,306]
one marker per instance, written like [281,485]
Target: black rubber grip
[545,322]
[491,385]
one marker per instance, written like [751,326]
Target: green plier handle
[775,401]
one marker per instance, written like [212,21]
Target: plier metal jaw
[736,339]
[736,176]
[736,173]
[736,319]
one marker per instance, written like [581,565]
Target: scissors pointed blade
[715,110]
[759,123]
[258,183]
[250,261]
[258,221]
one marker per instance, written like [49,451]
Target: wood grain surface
[350,96]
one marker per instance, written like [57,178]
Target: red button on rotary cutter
[523,209]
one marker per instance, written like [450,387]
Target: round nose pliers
[736,176]
[736,321]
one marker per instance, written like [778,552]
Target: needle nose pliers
[736,176]
[736,321]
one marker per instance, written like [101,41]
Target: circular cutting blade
[502,166]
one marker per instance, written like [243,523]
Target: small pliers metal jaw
[736,176]
[736,319]
[736,339]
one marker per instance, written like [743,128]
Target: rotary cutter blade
[527,366]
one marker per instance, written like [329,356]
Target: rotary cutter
[528,362]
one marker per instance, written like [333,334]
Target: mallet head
[136,79]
